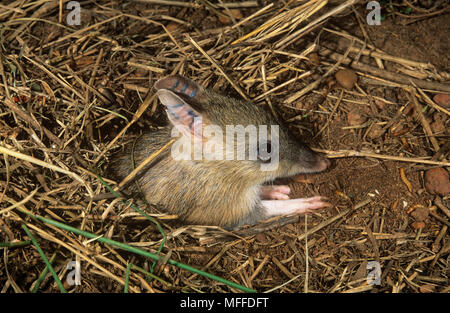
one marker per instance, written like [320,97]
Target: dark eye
[264,151]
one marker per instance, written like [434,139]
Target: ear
[180,85]
[185,118]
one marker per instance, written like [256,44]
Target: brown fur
[224,193]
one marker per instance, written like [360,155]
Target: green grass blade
[127,278]
[154,221]
[14,244]
[140,252]
[42,276]
[47,263]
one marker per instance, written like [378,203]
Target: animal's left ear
[182,86]
[183,116]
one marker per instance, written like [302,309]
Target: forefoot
[276,192]
[291,206]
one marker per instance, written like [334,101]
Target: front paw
[302,205]
[277,192]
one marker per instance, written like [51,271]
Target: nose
[323,164]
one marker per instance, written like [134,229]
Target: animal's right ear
[181,85]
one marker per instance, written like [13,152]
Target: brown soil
[385,230]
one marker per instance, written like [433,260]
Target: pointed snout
[322,164]
[311,161]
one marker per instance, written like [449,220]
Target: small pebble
[172,27]
[442,99]
[437,181]
[261,237]
[355,118]
[346,78]
[375,131]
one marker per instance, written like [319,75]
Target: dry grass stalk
[64,88]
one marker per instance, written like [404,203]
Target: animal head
[237,134]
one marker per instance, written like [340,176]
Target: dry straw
[64,89]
